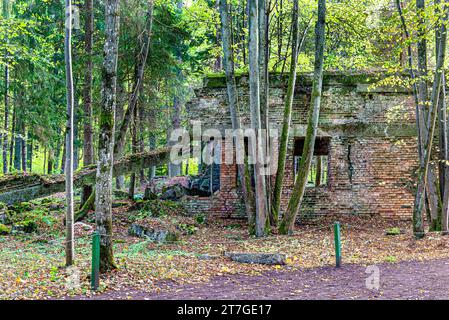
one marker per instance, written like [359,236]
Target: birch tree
[288,220]
[69,135]
[103,194]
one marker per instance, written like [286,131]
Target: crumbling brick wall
[372,153]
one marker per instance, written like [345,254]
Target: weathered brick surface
[372,156]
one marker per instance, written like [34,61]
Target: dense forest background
[185,45]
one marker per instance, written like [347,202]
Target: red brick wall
[377,126]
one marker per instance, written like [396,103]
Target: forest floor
[403,280]
[32,264]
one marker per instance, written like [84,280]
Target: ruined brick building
[365,155]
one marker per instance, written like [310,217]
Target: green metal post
[95,279]
[337,244]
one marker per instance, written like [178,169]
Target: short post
[337,244]
[95,279]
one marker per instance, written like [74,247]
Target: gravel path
[404,280]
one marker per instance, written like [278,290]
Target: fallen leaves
[32,269]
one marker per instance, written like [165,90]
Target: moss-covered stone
[26,226]
[4,230]
[393,231]
[22,207]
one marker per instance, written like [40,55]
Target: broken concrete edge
[277,79]
[257,258]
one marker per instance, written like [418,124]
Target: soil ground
[404,280]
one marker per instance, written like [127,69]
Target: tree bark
[132,183]
[418,219]
[228,63]
[69,248]
[256,147]
[103,195]
[174,169]
[88,148]
[6,98]
[423,182]
[277,191]
[142,60]
[11,144]
[294,203]
[23,149]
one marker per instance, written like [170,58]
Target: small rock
[174,192]
[4,218]
[56,206]
[153,234]
[24,227]
[207,256]
[82,225]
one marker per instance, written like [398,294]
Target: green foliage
[200,218]
[393,231]
[187,228]
[155,208]
[391,259]
[4,230]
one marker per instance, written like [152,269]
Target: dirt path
[404,280]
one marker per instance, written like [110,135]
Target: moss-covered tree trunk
[423,181]
[103,198]
[228,63]
[257,147]
[288,220]
[5,14]
[264,57]
[277,191]
[88,147]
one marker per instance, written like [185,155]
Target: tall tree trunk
[140,134]
[132,183]
[11,144]
[119,114]
[76,124]
[142,60]
[277,191]
[288,220]
[175,169]
[228,62]
[423,181]
[69,248]
[23,150]
[6,98]
[30,152]
[319,165]
[256,147]
[17,144]
[152,169]
[264,93]
[103,194]
[88,147]
[418,220]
